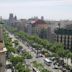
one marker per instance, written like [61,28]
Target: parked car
[63,70]
[56,67]
[47,61]
[8,65]
[39,55]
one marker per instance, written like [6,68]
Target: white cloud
[36,2]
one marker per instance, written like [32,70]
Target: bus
[47,61]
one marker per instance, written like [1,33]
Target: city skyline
[50,9]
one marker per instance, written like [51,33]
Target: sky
[50,9]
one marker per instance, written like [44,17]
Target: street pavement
[8,70]
[34,55]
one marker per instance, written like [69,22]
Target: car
[64,70]
[48,62]
[55,67]
[8,66]
[39,55]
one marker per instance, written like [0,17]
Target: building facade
[2,53]
[35,26]
[64,36]
[12,20]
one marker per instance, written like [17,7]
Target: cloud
[35,2]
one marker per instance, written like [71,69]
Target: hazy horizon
[50,9]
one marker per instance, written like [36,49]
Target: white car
[39,55]
[55,67]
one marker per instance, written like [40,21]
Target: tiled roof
[36,21]
[39,22]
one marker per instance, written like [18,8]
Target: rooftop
[36,21]
[63,31]
[39,22]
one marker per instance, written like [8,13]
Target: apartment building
[35,26]
[64,36]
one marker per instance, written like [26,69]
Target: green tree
[38,47]
[43,34]
[10,49]
[16,42]
[26,55]
[16,59]
[22,68]
[45,70]
[68,55]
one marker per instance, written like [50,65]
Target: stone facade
[2,52]
[2,60]
[64,36]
